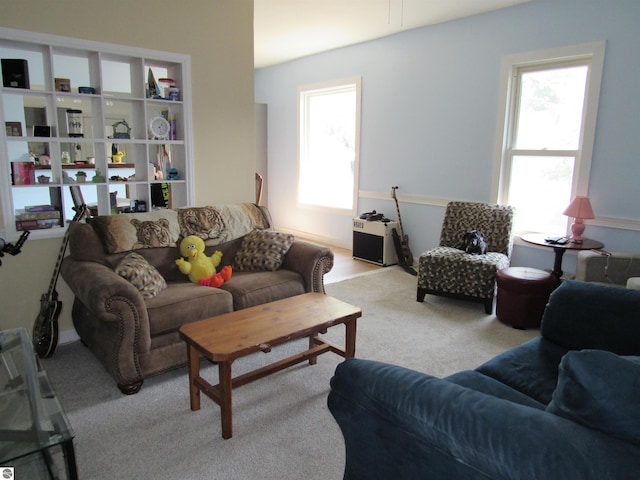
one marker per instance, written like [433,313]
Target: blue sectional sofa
[565,405]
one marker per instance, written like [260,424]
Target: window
[549,102]
[329,138]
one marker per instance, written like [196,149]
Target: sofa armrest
[311,261]
[109,297]
[607,267]
[402,424]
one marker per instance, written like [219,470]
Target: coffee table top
[239,333]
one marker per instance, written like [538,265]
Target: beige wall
[218,35]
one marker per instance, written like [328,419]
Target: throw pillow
[262,250]
[599,390]
[141,274]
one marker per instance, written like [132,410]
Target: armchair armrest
[402,424]
[607,267]
[311,261]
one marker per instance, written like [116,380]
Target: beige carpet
[282,427]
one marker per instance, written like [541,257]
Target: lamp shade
[580,207]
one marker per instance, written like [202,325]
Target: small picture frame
[63,85]
[13,129]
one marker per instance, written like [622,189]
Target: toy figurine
[172,174]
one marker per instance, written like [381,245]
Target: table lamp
[579,209]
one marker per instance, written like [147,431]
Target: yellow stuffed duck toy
[200,268]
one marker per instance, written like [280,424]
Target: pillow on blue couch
[599,390]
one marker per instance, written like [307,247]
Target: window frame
[591,54]
[305,92]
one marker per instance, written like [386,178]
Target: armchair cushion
[455,271]
[495,222]
[599,390]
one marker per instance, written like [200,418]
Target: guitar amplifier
[373,242]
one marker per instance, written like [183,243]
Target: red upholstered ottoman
[523,293]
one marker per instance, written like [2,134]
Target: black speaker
[15,73]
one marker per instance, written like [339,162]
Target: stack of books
[37,217]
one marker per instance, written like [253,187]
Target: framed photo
[13,129]
[63,85]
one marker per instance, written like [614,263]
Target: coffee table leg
[226,387]
[313,343]
[350,339]
[193,358]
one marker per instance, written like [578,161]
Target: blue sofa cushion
[582,315]
[481,383]
[530,368]
[600,390]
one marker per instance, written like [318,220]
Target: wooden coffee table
[233,335]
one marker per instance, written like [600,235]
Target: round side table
[539,239]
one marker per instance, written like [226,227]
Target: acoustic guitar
[45,328]
[401,241]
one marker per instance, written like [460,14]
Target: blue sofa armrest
[583,315]
[402,424]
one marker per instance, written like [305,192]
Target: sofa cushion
[133,231]
[255,288]
[481,383]
[262,250]
[530,368]
[141,274]
[184,302]
[599,390]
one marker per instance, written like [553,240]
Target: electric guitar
[45,328]
[401,241]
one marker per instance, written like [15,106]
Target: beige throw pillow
[141,274]
[262,250]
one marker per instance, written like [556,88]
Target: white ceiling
[289,29]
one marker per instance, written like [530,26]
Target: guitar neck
[63,248]
[395,198]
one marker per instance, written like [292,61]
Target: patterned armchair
[448,271]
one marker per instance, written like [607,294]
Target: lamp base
[577,229]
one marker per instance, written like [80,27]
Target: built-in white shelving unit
[100,91]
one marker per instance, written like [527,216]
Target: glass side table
[35,434]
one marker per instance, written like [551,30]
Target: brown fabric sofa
[136,337]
